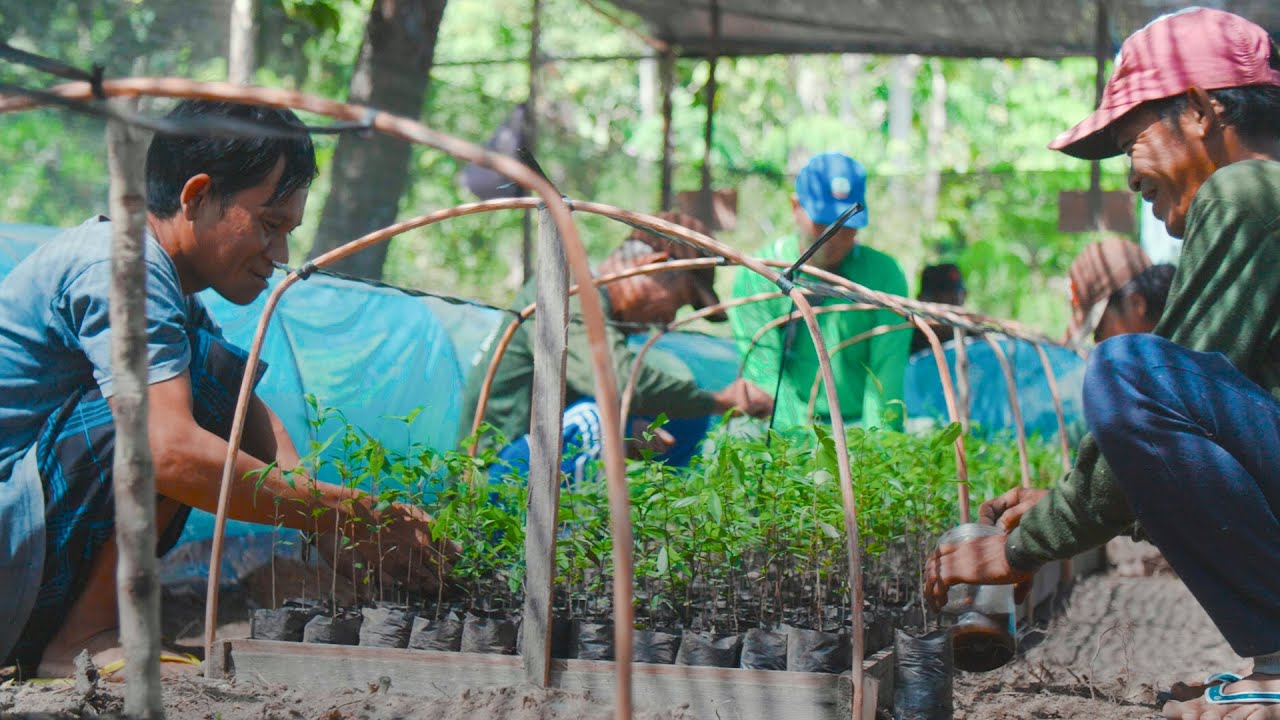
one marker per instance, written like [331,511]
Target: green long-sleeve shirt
[869,374]
[1225,298]
[511,396]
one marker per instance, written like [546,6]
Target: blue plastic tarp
[372,353]
[989,408]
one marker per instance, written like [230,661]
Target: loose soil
[196,697]
[1118,642]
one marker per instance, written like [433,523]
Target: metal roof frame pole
[667,80]
[531,130]
[132,471]
[1102,42]
[706,206]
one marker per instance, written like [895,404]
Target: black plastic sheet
[444,634]
[493,635]
[922,687]
[764,650]
[386,627]
[817,651]
[699,648]
[344,629]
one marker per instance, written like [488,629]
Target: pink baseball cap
[1196,47]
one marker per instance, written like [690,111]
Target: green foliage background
[600,135]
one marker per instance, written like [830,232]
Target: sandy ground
[1118,642]
[213,700]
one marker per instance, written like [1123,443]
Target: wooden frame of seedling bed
[560,247]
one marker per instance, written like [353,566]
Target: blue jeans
[1195,447]
[583,444]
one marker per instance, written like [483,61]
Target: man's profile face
[1168,162]
[237,243]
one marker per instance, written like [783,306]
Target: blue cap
[828,184]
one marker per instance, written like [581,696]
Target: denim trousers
[1194,445]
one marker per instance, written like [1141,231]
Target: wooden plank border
[727,693]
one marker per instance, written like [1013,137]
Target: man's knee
[1117,376]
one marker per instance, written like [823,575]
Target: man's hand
[1006,511]
[642,437]
[397,541]
[980,561]
[745,397]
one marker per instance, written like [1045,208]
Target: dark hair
[635,245]
[936,279]
[1153,285]
[232,163]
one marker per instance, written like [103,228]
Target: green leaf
[948,435]
[664,561]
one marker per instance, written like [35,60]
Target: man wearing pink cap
[1184,444]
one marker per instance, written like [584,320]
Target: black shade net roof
[949,28]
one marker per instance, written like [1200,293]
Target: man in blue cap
[868,373]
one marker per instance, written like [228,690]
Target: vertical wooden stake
[133,477]
[545,437]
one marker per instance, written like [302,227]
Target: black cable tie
[95,82]
[784,284]
[307,269]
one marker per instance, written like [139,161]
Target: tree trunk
[243,42]
[369,174]
[137,582]
[935,130]
[902,228]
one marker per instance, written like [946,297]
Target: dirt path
[1119,641]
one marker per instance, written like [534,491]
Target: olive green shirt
[511,396]
[1225,298]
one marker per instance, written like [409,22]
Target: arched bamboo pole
[414,132]
[500,349]
[630,388]
[784,319]
[860,337]
[848,501]
[962,376]
[949,397]
[1052,378]
[1011,385]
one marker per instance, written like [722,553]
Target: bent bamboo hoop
[500,349]
[962,375]
[606,385]
[949,397]
[784,319]
[1011,384]
[413,132]
[847,343]
[636,364]
[1052,378]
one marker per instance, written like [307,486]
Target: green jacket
[1225,298]
[868,374]
[511,396]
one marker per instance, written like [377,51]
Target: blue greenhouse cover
[989,408]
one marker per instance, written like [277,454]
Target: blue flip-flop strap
[1215,695]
